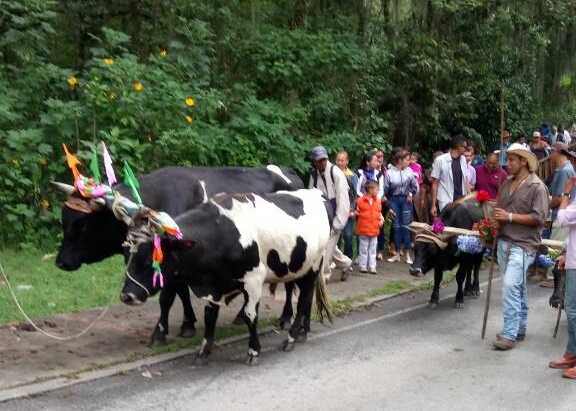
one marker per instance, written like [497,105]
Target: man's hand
[434,211]
[562,262]
[500,215]
[569,185]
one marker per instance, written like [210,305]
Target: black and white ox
[233,244]
[432,252]
[92,232]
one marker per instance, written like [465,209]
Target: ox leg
[287,311]
[435,297]
[463,271]
[187,329]
[557,297]
[254,346]
[167,296]
[210,318]
[301,325]
[476,268]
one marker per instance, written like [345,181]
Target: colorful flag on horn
[110,176]
[73,162]
[131,181]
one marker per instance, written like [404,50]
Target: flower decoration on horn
[438,226]
[482,197]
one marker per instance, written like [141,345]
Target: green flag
[94,167]
[131,181]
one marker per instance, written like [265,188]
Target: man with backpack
[333,183]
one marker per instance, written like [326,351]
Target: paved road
[396,355]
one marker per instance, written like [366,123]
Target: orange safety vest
[369,216]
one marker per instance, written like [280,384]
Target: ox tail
[272,287]
[322,301]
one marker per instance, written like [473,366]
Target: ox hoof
[158,339]
[252,360]
[201,359]
[239,320]
[432,305]
[287,346]
[187,331]
[284,322]
[458,304]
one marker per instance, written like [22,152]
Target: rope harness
[136,237]
[432,238]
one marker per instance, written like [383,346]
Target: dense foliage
[255,82]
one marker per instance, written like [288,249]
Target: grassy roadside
[43,289]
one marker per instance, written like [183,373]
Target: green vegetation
[43,289]
[257,82]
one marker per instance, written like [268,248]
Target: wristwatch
[566,195]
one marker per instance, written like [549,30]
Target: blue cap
[319,153]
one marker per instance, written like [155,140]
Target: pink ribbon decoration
[157,257]
[108,166]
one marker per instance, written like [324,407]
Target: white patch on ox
[272,228]
[253,281]
[276,170]
[205,196]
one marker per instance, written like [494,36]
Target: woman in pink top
[416,167]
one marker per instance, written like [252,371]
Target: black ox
[442,256]
[233,244]
[92,232]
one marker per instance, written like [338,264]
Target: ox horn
[66,188]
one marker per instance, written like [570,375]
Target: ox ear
[78,204]
[65,188]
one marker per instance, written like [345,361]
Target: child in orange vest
[370,219]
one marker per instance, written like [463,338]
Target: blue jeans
[570,308]
[400,224]
[514,262]
[347,234]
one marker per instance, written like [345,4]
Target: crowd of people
[526,210]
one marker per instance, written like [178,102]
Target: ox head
[90,232]
[140,282]
[429,251]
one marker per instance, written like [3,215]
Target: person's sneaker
[373,271]
[519,337]
[394,259]
[345,273]
[567,361]
[408,259]
[570,373]
[363,270]
[503,343]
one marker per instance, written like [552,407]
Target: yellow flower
[109,61]
[163,53]
[189,119]
[111,96]
[73,81]
[44,204]
[190,102]
[149,137]
[15,162]
[42,161]
[138,86]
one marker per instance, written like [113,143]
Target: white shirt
[442,171]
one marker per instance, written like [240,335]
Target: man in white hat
[333,183]
[519,214]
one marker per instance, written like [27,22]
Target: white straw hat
[522,151]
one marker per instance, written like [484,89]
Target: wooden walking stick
[494,242]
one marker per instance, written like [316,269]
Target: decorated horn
[66,188]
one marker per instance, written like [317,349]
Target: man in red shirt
[488,176]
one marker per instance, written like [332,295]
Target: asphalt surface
[32,362]
[391,354]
